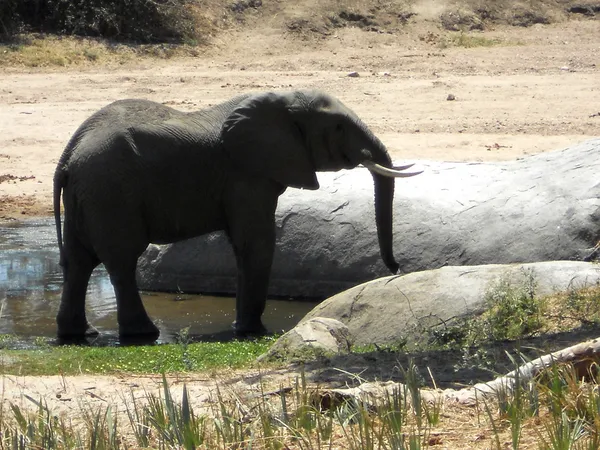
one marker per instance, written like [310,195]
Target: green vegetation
[182,357]
[557,409]
[515,312]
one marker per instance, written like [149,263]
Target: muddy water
[30,288]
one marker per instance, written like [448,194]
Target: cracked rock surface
[540,208]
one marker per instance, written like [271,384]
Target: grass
[182,357]
[211,17]
[515,311]
[66,51]
[468,40]
[555,411]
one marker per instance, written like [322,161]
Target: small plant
[562,432]
[230,426]
[583,304]
[413,383]
[433,408]
[393,416]
[183,339]
[518,403]
[468,41]
[140,423]
[176,424]
[34,430]
[101,427]
[513,311]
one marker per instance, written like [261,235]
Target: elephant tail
[59,183]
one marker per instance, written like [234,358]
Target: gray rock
[312,338]
[402,308]
[540,208]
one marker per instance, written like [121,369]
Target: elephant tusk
[408,166]
[395,172]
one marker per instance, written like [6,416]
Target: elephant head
[290,136]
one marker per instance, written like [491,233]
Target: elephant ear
[261,137]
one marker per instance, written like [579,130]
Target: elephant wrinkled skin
[138,172]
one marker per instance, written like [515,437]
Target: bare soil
[533,89]
[521,90]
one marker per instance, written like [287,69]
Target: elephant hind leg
[119,243]
[132,317]
[78,263]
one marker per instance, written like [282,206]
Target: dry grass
[302,18]
[65,51]
[288,416]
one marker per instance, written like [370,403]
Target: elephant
[139,172]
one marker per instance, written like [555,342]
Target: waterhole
[31,284]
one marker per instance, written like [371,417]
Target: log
[583,356]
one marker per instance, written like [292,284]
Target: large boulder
[315,337]
[405,308]
[540,208]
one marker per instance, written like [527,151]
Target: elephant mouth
[348,164]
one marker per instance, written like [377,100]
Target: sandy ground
[511,100]
[538,94]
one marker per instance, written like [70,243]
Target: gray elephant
[138,172]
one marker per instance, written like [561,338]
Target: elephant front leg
[254,259]
[252,235]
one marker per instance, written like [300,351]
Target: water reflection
[30,287]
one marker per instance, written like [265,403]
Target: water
[31,283]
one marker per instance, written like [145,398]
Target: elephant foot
[146,331]
[246,331]
[74,332]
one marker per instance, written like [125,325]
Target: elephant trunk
[384,199]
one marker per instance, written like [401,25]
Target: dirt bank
[521,91]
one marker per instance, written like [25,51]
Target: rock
[242,5]
[540,208]
[461,20]
[588,10]
[451,97]
[404,308]
[312,338]
[353,75]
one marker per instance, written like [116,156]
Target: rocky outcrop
[315,337]
[406,308]
[540,208]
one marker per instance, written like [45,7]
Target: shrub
[144,21]
[9,19]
